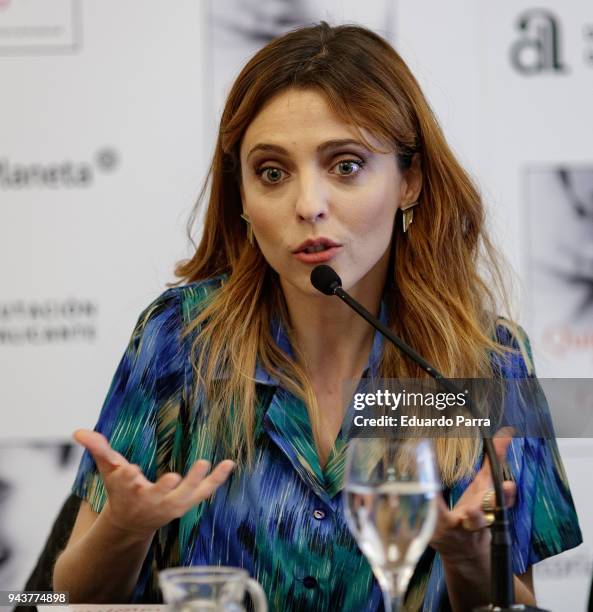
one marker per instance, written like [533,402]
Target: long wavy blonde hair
[438,301]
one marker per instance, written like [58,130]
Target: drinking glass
[210,589]
[390,501]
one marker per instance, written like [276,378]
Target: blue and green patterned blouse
[283,521]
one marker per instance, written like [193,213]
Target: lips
[315,245]
[317,250]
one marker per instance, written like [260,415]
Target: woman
[324,138]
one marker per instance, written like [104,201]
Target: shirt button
[309,582]
[318,514]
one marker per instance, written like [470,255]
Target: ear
[411,181]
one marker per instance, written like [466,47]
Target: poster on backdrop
[559,242]
[35,480]
[558,239]
[238,28]
[37,27]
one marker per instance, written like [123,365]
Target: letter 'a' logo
[538,49]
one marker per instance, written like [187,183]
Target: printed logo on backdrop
[572,563]
[588,32]
[559,239]
[25,322]
[538,49]
[39,27]
[66,174]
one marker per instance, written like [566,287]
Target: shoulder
[175,308]
[158,347]
[517,359]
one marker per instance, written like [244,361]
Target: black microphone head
[325,279]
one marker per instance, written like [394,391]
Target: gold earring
[247,220]
[408,215]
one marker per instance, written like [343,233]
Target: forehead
[297,116]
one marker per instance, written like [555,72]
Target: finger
[191,481]
[501,441]
[510,493]
[442,507]
[184,492]
[474,518]
[208,485]
[167,482]
[105,457]
[446,518]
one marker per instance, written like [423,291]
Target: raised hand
[460,532]
[139,506]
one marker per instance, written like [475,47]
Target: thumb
[446,517]
[502,439]
[105,457]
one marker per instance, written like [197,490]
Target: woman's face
[316,194]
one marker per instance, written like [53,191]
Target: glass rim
[204,572]
[354,446]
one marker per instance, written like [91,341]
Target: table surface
[105,608]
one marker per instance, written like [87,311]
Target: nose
[311,200]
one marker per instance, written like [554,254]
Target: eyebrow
[324,146]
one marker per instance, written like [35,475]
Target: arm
[97,548]
[545,503]
[463,542]
[104,555]
[468,583]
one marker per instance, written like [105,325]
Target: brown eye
[270,174]
[349,167]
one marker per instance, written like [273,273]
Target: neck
[332,342]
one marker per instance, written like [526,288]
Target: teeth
[315,249]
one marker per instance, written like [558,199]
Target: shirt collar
[286,421]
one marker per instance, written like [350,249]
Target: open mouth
[315,245]
[316,252]
[316,248]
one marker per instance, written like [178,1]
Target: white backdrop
[107,118]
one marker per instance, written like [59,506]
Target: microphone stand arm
[502,586]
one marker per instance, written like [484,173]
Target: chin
[360,282]
[300,281]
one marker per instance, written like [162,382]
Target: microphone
[326,280]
